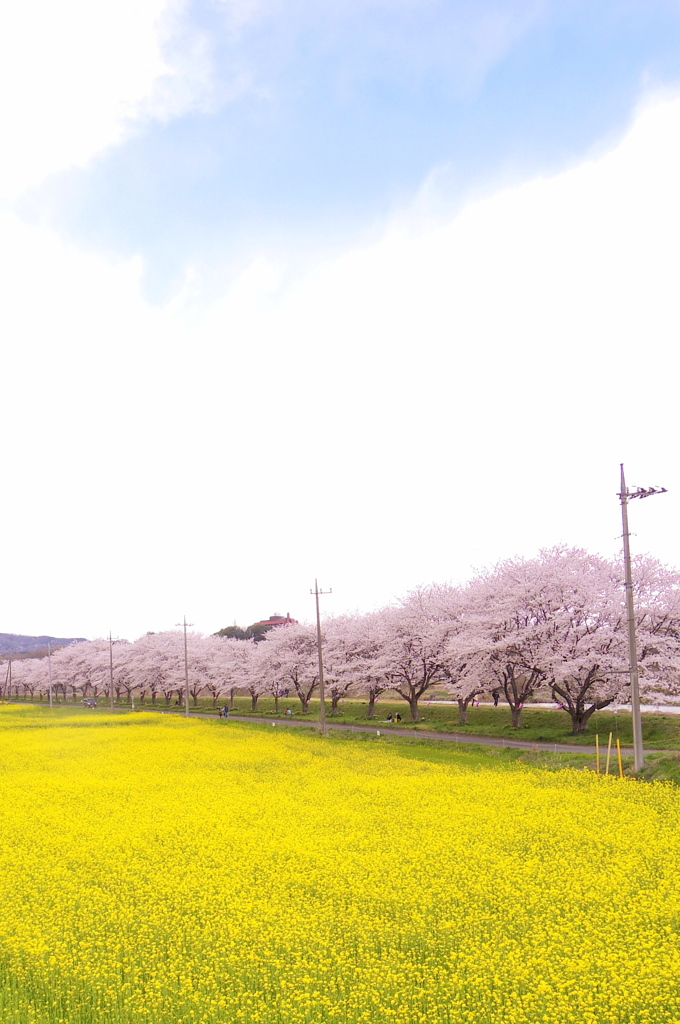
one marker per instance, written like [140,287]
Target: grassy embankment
[544,725]
[541,725]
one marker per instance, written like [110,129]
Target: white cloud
[75,76]
[454,393]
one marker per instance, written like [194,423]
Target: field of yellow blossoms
[168,872]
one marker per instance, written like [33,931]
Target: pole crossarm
[641,492]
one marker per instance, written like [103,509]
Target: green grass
[538,724]
[658,766]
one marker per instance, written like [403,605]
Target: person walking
[496,697]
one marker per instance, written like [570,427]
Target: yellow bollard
[609,752]
[597,753]
[618,751]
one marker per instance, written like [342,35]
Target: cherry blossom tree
[584,632]
[269,664]
[464,678]
[413,647]
[218,667]
[504,628]
[339,647]
[154,660]
[293,651]
[365,659]
[559,619]
[245,671]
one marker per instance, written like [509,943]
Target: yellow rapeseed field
[168,872]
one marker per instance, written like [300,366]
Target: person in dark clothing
[496,697]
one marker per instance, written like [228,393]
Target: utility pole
[322,695]
[625,496]
[111,668]
[184,623]
[49,667]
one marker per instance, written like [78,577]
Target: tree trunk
[153,696]
[335,699]
[231,698]
[195,698]
[580,718]
[276,702]
[168,698]
[462,712]
[254,697]
[305,704]
[516,712]
[579,723]
[371,706]
[413,704]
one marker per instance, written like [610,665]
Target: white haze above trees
[554,625]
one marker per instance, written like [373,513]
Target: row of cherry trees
[555,624]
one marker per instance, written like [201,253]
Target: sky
[375,293]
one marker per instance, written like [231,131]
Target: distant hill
[14,643]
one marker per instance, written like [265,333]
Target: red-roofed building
[276,620]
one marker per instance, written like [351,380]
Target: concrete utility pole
[184,623]
[322,695]
[625,496]
[49,667]
[111,667]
